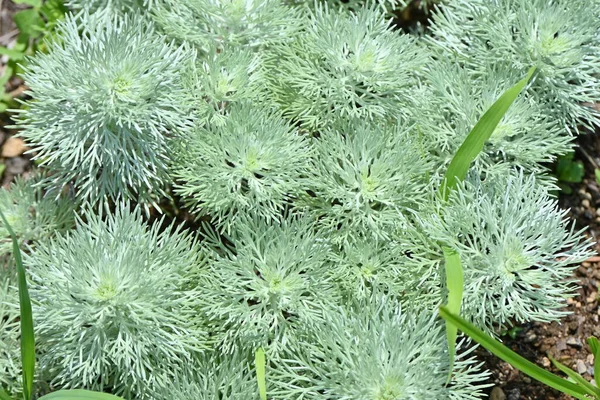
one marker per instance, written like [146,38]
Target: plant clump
[305,148]
[113,305]
[105,104]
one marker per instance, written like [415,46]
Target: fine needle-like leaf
[454,283]
[481,132]
[503,352]
[26,319]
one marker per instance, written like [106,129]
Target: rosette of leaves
[10,332]
[32,213]
[206,23]
[376,351]
[365,180]
[558,37]
[113,305]
[515,246]
[527,137]
[252,163]
[370,265]
[229,377]
[222,77]
[271,287]
[105,103]
[346,65]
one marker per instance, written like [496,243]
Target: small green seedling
[569,170]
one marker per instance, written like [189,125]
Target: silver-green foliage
[227,377]
[105,102]
[111,6]
[365,180]
[559,37]
[315,142]
[206,23]
[527,137]
[271,287]
[368,265]
[113,307]
[375,351]
[252,163]
[221,78]
[346,66]
[33,214]
[515,247]
[10,366]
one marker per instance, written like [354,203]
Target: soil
[16,163]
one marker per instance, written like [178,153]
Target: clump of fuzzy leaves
[112,306]
[105,102]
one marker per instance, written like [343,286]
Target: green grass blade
[79,394]
[506,354]
[260,364]
[595,347]
[27,338]
[454,283]
[578,379]
[481,132]
[4,395]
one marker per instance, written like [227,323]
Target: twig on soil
[18,91]
[590,158]
[593,259]
[8,36]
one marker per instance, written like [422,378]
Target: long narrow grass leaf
[260,364]
[504,353]
[481,132]
[4,395]
[578,379]
[454,283]
[595,347]
[27,338]
[78,394]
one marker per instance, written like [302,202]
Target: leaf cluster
[336,171]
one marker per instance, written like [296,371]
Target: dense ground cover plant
[379,352]
[253,162]
[346,66]
[106,101]
[366,180]
[231,377]
[222,77]
[274,285]
[514,246]
[527,137]
[126,317]
[111,6]
[33,213]
[10,372]
[310,145]
[559,37]
[204,23]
